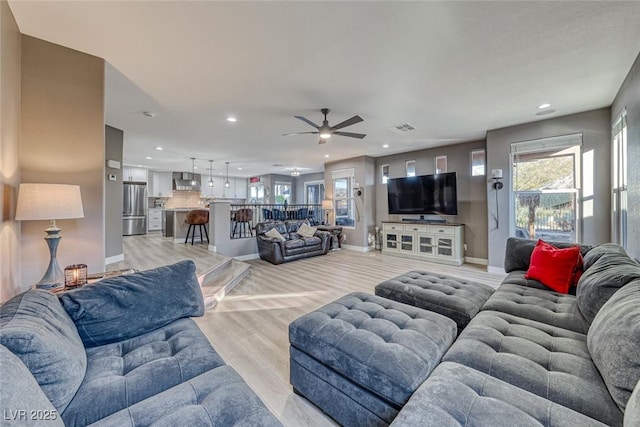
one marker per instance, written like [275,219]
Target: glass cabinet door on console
[445,247]
[426,244]
[406,242]
[391,241]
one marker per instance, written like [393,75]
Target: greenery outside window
[282,192]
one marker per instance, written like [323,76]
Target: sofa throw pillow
[306,230]
[553,267]
[35,327]
[124,307]
[614,342]
[275,234]
[601,280]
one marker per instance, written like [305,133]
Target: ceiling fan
[325,131]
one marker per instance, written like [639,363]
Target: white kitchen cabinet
[134,174]
[154,222]
[442,243]
[160,184]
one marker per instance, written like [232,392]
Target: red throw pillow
[577,271]
[553,267]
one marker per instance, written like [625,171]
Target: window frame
[348,175]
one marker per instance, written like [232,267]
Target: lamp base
[53,278]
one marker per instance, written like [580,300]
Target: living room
[54,105]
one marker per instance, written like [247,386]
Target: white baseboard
[212,248]
[358,248]
[246,257]
[480,261]
[496,270]
[115,258]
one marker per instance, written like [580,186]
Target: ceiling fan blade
[307,121]
[351,134]
[352,121]
[322,141]
[298,133]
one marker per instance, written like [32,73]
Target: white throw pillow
[306,230]
[275,233]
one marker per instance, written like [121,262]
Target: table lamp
[50,202]
[327,205]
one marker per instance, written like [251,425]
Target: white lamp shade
[49,201]
[327,204]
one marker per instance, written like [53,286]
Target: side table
[336,235]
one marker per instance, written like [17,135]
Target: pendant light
[193,171]
[295,172]
[226,183]
[210,173]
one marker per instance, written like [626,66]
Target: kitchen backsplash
[185,199]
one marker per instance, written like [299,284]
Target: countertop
[185,209]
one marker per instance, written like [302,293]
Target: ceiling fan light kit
[325,131]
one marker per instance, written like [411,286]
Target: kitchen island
[174,224]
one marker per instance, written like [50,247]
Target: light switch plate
[112,177]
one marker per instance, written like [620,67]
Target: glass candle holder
[75,275]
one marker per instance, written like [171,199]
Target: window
[411,167]
[256,193]
[343,200]
[384,170]
[546,175]
[441,164]
[619,180]
[313,192]
[478,162]
[282,192]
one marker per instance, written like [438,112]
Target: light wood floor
[152,250]
[249,327]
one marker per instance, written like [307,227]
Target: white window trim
[340,174]
[406,167]
[310,183]
[484,161]
[384,177]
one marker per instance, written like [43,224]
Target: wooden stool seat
[199,217]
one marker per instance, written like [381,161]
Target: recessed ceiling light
[326,156]
[277,165]
[239,169]
[232,119]
[159,148]
[543,106]
[195,167]
[148,158]
[385,146]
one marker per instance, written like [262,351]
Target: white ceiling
[452,69]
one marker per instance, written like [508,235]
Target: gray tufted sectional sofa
[528,356]
[533,356]
[121,352]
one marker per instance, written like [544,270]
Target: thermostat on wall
[113,164]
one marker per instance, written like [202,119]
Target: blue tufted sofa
[121,352]
[533,356]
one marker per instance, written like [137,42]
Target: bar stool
[243,217]
[199,217]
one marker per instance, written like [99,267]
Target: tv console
[435,242]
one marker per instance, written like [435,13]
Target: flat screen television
[426,194]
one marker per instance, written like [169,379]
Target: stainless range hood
[182,181]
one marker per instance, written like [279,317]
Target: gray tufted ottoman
[361,357]
[458,299]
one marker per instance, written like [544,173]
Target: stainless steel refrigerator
[133,212]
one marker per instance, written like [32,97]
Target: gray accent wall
[595,127]
[299,185]
[472,197]
[62,141]
[114,139]
[365,204]
[10,261]
[629,97]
